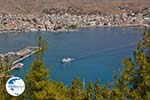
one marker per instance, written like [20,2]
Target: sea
[97,52]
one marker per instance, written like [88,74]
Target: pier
[15,57]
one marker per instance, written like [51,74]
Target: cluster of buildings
[67,21]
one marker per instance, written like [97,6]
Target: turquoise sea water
[97,51]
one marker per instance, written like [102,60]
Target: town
[61,20]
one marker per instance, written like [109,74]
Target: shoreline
[68,22]
[126,26]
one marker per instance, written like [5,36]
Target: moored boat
[17,66]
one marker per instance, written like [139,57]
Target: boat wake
[104,52]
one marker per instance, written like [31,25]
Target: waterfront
[67,21]
[97,51]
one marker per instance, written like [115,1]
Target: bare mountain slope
[37,6]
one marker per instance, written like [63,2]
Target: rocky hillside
[104,6]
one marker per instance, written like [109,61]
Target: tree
[43,46]
[97,92]
[134,81]
[78,91]
[37,80]
[4,76]
[90,91]
[38,83]
[59,91]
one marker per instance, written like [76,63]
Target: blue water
[97,51]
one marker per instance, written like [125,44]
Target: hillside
[37,6]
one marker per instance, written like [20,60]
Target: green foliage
[78,91]
[43,46]
[98,92]
[134,82]
[4,76]
[90,91]
[38,84]
[37,80]
[72,26]
[146,39]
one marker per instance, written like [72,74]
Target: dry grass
[37,6]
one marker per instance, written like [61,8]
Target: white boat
[18,65]
[66,60]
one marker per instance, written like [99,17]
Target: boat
[17,66]
[67,60]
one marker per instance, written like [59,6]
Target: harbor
[14,58]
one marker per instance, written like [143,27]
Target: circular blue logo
[15,86]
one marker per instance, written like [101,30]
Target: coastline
[131,25]
[68,22]
[77,29]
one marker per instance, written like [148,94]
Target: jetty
[16,57]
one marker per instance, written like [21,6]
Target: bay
[97,51]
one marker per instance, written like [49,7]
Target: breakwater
[16,57]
